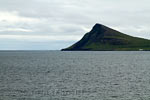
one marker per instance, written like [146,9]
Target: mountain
[103,38]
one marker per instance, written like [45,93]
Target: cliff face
[102,38]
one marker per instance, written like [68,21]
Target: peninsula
[103,38]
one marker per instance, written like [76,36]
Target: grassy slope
[133,43]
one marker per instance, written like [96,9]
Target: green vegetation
[102,38]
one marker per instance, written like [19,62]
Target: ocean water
[56,75]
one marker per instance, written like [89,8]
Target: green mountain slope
[102,38]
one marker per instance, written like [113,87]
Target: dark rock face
[105,38]
[98,29]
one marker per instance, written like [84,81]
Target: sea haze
[90,75]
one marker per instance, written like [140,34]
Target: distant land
[103,38]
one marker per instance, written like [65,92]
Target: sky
[57,24]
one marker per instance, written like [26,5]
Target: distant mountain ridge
[103,38]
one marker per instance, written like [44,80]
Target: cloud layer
[56,24]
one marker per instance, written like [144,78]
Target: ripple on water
[55,75]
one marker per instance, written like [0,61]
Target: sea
[78,75]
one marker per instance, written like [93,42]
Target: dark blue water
[56,75]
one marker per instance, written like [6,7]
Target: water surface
[56,75]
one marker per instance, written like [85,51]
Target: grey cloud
[75,17]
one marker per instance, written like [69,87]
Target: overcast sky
[56,24]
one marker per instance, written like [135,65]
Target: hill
[103,38]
